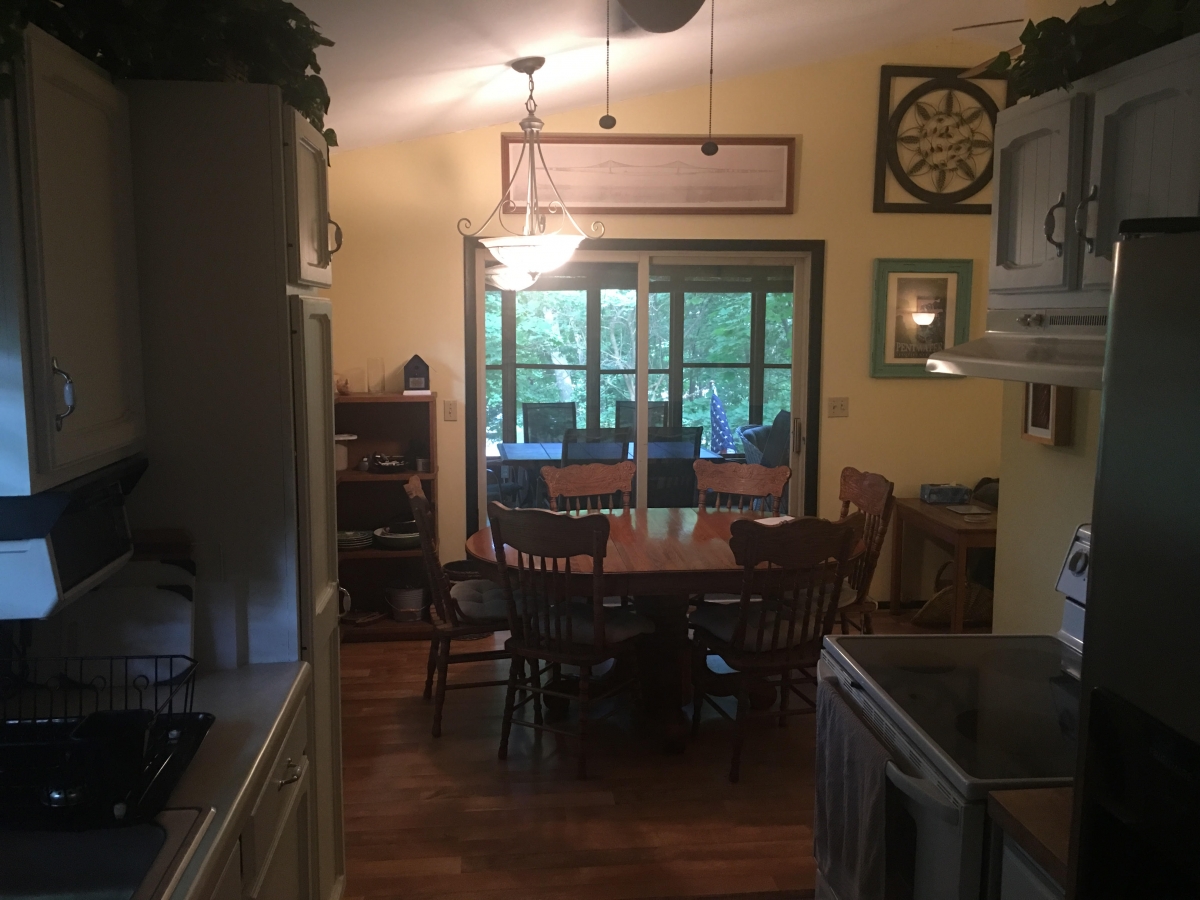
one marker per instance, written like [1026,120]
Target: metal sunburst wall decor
[935,141]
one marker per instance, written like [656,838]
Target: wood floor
[444,818]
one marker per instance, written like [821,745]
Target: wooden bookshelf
[393,425]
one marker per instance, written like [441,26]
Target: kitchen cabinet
[1145,151]
[229,884]
[1072,165]
[310,256]
[1023,879]
[69,294]
[1039,157]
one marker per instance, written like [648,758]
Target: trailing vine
[1056,53]
[259,41]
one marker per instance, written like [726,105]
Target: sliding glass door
[720,344]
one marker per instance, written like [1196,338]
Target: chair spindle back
[551,552]
[592,487]
[871,494]
[806,562]
[439,584]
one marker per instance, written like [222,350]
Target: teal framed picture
[920,306]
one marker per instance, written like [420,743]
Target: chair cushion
[620,624]
[721,620]
[480,599]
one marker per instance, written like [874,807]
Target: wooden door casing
[74,138]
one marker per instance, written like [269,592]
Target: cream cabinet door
[312,361]
[307,182]
[1145,158]
[85,349]
[1039,153]
[287,874]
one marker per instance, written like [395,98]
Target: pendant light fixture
[607,120]
[709,147]
[532,250]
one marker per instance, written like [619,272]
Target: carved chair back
[871,494]
[738,485]
[595,486]
[542,583]
[439,584]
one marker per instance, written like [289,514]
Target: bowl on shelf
[388,539]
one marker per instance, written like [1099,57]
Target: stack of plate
[397,540]
[354,540]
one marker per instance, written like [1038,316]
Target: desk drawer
[266,816]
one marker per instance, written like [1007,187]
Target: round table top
[656,550]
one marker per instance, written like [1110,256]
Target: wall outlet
[450,410]
[839,407]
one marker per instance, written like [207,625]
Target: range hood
[1044,345]
[57,545]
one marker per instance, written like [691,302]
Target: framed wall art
[661,174]
[933,149]
[921,306]
[1049,415]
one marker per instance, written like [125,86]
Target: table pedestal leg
[663,661]
[960,589]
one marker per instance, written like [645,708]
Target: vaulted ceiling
[402,69]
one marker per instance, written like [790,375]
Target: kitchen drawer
[267,815]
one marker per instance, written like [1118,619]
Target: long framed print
[659,174]
[921,306]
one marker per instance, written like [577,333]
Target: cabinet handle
[68,393]
[337,237]
[1049,225]
[295,770]
[1081,218]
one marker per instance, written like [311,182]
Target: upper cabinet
[1072,165]
[310,244]
[1145,154]
[1039,156]
[72,360]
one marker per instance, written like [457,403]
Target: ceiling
[400,70]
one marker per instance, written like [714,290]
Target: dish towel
[851,790]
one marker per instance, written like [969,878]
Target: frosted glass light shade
[506,278]
[923,318]
[534,253]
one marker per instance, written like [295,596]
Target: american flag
[721,438]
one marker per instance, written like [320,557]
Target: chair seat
[480,600]
[720,620]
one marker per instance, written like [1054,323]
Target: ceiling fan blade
[661,16]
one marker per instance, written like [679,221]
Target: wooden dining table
[661,558]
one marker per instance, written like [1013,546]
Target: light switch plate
[450,410]
[839,407]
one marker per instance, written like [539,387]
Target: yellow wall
[399,285]
[1046,492]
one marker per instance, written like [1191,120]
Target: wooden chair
[871,495]
[742,483]
[595,486]
[549,620]
[778,636]
[469,609]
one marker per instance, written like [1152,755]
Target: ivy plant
[1056,53]
[259,41]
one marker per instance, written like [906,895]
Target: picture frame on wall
[920,307]
[934,140]
[1049,415]
[648,174]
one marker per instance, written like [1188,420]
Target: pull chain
[531,104]
[606,120]
[709,147]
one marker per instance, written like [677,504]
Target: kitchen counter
[1039,821]
[253,706]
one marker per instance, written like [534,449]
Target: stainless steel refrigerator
[1137,815]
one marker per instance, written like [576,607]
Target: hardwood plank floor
[446,818]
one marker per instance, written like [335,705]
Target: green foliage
[551,329]
[259,41]
[1057,53]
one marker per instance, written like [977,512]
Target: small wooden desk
[949,528]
